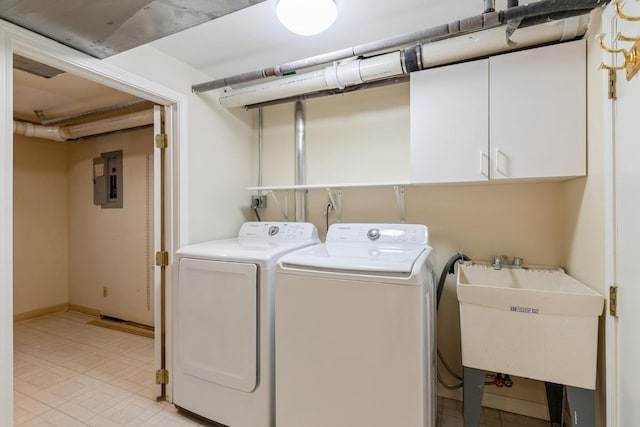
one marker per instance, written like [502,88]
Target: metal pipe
[260,148]
[363,86]
[426,35]
[93,113]
[456,28]
[338,76]
[546,7]
[489,6]
[396,64]
[300,162]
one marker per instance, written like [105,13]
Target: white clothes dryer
[355,330]
[223,323]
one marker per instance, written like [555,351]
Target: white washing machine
[223,330]
[355,330]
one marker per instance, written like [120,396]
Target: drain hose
[449,268]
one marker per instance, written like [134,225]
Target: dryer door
[217,322]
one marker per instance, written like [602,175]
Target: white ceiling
[252,38]
[60,96]
[247,40]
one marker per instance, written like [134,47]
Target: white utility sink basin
[531,322]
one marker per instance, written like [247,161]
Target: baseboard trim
[123,327]
[84,310]
[503,403]
[40,312]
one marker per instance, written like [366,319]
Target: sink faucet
[502,261]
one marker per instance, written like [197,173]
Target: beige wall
[584,197]
[218,149]
[344,144]
[40,260]
[585,205]
[77,247]
[112,247]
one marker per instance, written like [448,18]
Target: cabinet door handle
[498,155]
[484,156]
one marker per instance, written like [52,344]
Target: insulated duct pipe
[339,75]
[65,133]
[300,163]
[391,65]
[541,9]
[89,114]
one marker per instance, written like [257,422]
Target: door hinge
[612,84]
[613,301]
[162,259]
[162,376]
[162,141]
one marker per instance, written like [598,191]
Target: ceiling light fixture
[307,17]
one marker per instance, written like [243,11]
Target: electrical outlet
[105,291]
[258,201]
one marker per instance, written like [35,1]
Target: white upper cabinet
[537,118]
[449,124]
[515,116]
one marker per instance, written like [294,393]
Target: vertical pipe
[489,6]
[260,149]
[300,163]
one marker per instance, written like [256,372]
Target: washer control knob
[373,234]
[273,230]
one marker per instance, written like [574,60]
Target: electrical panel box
[107,180]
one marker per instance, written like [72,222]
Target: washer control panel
[278,230]
[379,233]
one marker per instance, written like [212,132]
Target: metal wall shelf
[336,200]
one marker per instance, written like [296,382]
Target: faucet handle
[517,262]
[499,261]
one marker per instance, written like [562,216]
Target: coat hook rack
[622,15]
[631,62]
[622,38]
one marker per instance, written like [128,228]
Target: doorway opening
[159,230]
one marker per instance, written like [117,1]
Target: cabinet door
[537,116]
[449,123]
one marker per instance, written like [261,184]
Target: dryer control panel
[278,230]
[379,233]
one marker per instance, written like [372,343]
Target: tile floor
[69,373]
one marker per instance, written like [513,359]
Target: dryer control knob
[273,230]
[373,234]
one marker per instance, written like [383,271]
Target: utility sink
[534,322]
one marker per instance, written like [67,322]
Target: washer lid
[357,257]
[257,242]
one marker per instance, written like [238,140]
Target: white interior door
[623,346]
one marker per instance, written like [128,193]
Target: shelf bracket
[285,212]
[336,203]
[400,200]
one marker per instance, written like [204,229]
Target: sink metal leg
[473,384]
[581,404]
[555,396]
